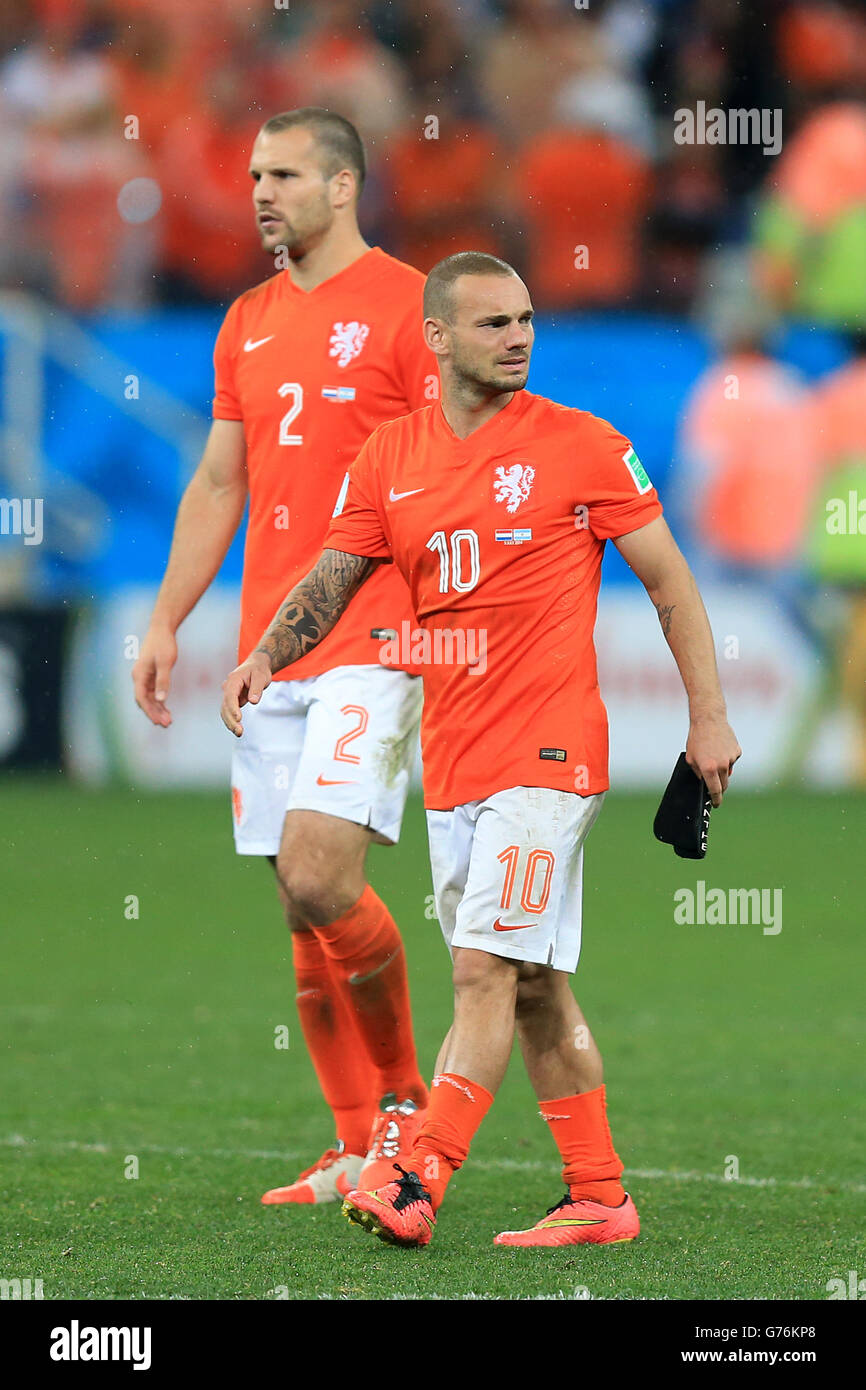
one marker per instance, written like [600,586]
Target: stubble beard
[297,241]
[472,383]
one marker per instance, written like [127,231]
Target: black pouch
[683,816]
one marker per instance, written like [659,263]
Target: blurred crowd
[546,132]
[770,492]
[542,130]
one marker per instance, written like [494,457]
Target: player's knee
[311,896]
[476,971]
[317,902]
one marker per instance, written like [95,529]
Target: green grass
[155,1038]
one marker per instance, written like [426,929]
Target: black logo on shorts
[555,755]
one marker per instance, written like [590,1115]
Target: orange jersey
[500,538]
[310,375]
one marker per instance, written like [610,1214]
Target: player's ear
[435,336]
[344,189]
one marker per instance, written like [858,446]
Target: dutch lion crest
[347,340]
[513,485]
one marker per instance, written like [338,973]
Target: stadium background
[544,132]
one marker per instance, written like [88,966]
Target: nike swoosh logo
[249,345]
[329,782]
[582,1221]
[398,496]
[521,926]
[362,979]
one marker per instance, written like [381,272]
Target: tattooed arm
[653,554]
[305,616]
[309,612]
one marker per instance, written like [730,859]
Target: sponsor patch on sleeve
[637,471]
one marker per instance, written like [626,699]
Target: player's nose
[516,338]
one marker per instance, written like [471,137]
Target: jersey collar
[349,277]
[505,418]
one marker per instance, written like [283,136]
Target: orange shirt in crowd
[584,197]
[751,460]
[838,410]
[822,170]
[446,193]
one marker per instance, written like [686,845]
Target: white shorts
[508,873]
[342,743]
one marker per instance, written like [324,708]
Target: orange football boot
[579,1223]
[318,1183]
[400,1213]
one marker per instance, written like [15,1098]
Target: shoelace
[328,1158]
[411,1190]
[564,1202]
[568,1201]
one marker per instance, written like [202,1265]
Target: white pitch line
[18,1141]
[514,1165]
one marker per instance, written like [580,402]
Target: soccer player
[496,505]
[307,364]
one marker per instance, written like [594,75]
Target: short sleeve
[621,497]
[226,405]
[357,528]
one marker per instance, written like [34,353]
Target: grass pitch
[147,1044]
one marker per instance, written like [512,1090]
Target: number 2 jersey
[500,538]
[311,374]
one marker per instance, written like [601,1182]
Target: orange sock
[348,1080]
[367,961]
[591,1166]
[457,1107]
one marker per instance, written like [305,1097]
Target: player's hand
[711,752]
[244,686]
[151,674]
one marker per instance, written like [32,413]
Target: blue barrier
[634,370]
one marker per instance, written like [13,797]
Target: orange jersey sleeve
[226,405]
[359,523]
[617,494]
